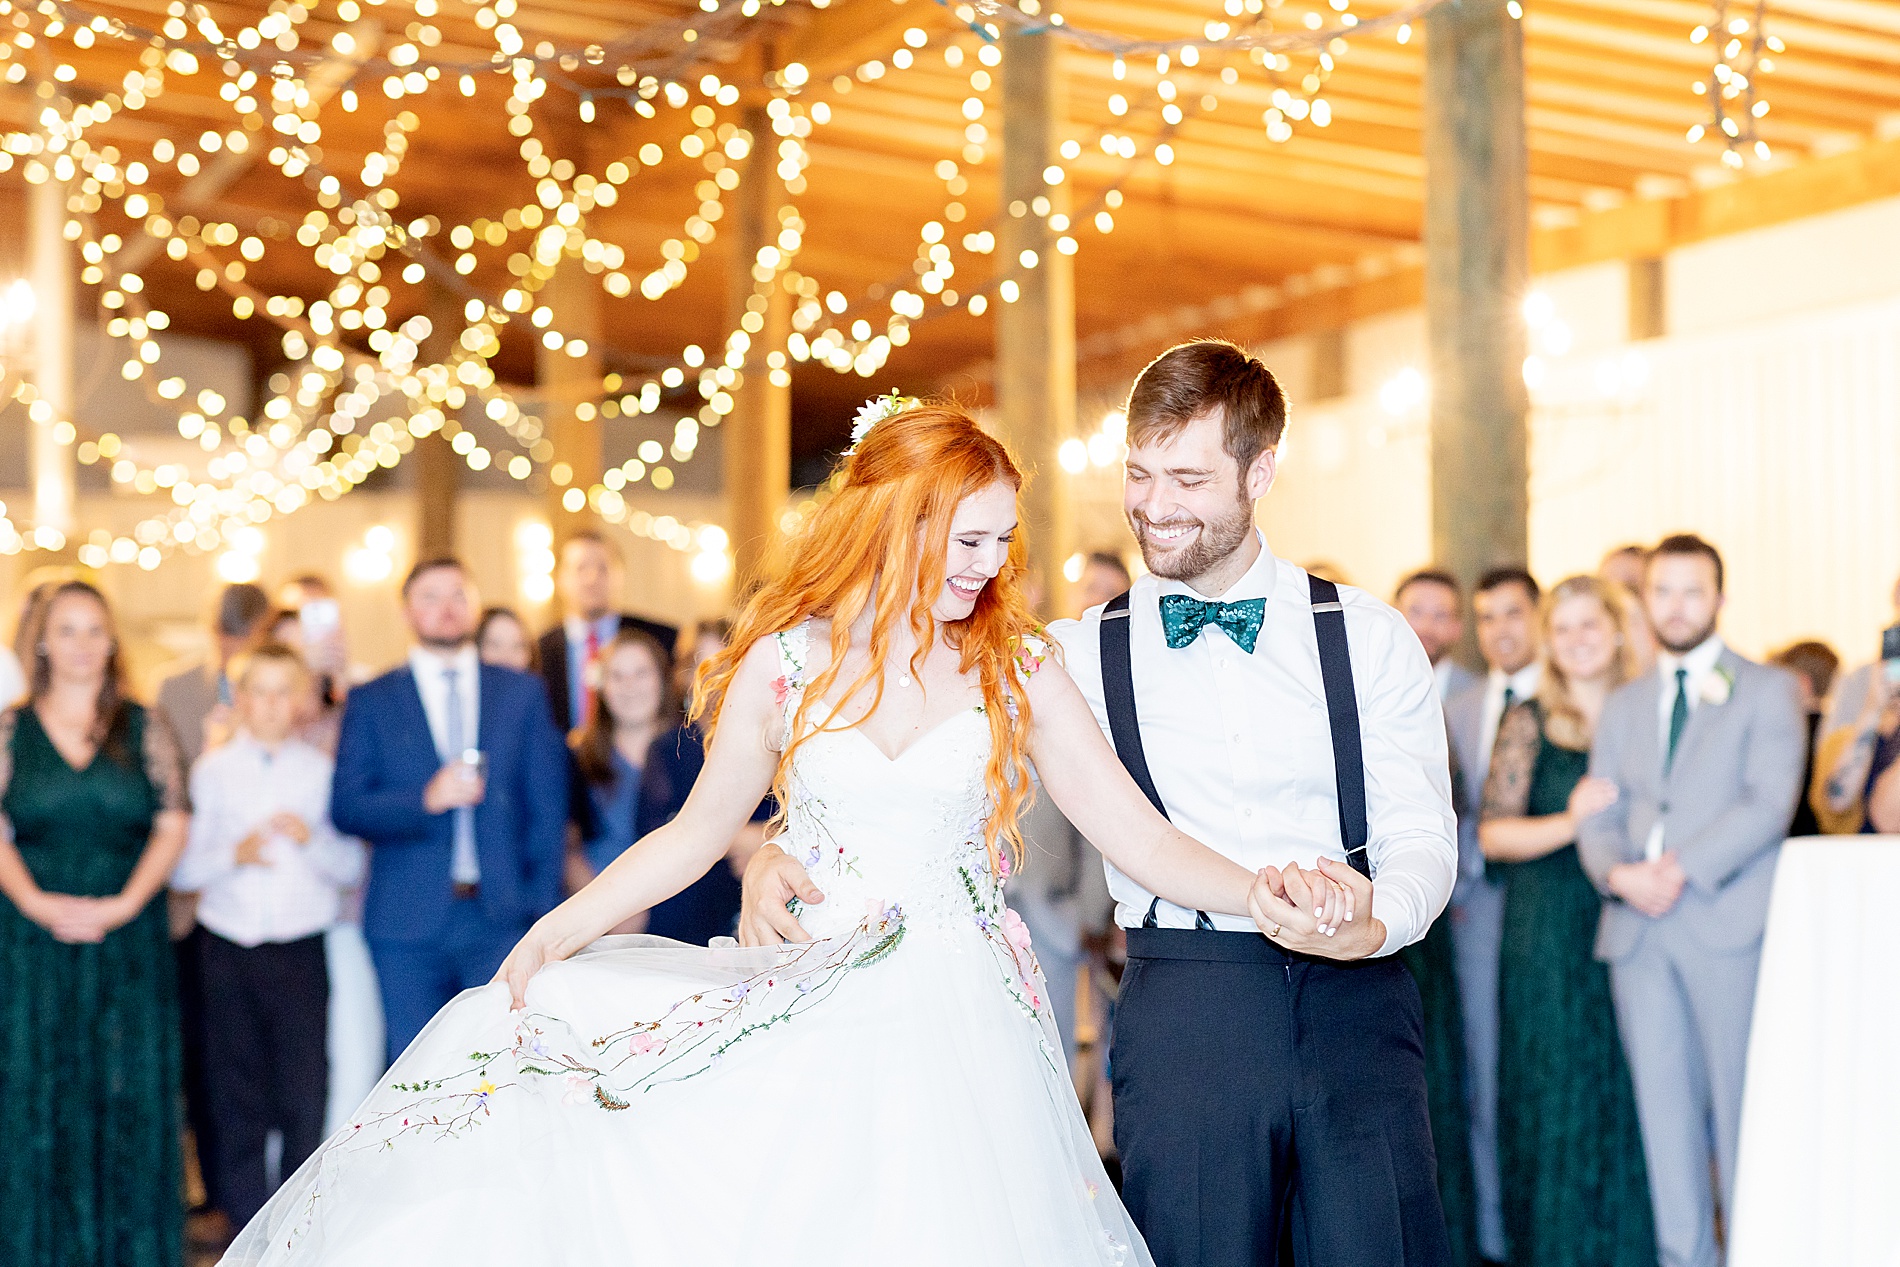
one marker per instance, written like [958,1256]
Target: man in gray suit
[1433,604]
[1505,603]
[1706,754]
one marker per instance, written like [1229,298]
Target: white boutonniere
[872,412]
[1718,686]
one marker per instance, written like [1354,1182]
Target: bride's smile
[980,537]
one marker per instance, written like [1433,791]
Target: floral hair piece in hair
[872,412]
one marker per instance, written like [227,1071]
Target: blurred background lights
[373,561]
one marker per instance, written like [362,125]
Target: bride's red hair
[879,541]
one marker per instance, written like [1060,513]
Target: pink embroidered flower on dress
[1016,933]
[580,1090]
[1030,655]
[781,690]
[644,1042]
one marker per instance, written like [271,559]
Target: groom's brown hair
[1192,380]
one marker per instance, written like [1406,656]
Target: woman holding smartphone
[1857,765]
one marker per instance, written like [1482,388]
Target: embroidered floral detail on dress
[789,685]
[1032,652]
[608,1072]
[1008,939]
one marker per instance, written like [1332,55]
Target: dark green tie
[1678,716]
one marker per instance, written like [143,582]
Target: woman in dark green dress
[93,798]
[1569,1148]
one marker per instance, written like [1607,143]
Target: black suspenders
[1118,695]
[1342,715]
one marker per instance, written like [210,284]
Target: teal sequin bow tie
[1183,616]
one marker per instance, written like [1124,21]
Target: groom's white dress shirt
[1241,752]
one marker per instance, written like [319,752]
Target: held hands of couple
[1324,911]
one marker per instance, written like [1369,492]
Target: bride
[885,1087]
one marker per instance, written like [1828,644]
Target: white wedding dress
[890,1093]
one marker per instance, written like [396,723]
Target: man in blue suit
[454,774]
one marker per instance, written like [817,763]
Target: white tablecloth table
[1819,1176]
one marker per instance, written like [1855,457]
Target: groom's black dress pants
[1265,1099]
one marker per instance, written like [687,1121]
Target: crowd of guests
[262,887]
[1623,782]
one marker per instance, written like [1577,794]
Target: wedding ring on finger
[1275,931]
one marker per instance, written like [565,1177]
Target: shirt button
[1222,662]
[1246,812]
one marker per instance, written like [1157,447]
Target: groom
[1268,1091]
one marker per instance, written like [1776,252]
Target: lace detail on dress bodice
[904,835]
[875,830]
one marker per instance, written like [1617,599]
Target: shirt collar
[605,626]
[423,661]
[1522,684]
[1698,660]
[1256,582]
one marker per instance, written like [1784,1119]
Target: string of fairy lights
[311,338]
[337,413]
[1744,52]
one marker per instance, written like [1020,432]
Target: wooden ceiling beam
[1642,229]
[1671,86]
[1804,35]
[1560,29]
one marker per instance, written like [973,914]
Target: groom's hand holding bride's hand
[1325,911]
[772,879]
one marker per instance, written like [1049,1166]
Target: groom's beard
[1217,539]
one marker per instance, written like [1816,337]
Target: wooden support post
[755,441]
[568,386]
[50,272]
[1329,364]
[1035,332]
[438,467]
[1647,299]
[1477,230]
